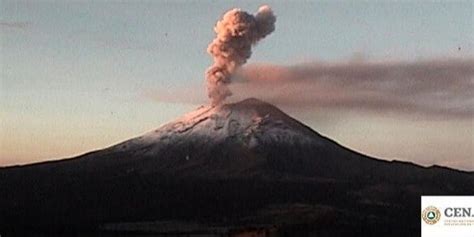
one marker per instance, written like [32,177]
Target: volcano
[220,169]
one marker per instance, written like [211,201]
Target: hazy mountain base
[284,220]
[293,206]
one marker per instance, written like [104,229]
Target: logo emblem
[431,215]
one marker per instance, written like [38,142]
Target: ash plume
[439,87]
[236,32]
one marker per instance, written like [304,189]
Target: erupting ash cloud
[236,32]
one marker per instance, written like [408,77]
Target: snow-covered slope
[250,122]
[248,138]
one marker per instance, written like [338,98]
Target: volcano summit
[220,169]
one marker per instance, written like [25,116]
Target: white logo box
[456,216]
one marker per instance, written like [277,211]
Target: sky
[78,76]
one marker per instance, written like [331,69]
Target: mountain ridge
[230,165]
[205,109]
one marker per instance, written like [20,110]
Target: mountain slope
[240,164]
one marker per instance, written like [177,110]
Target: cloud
[441,88]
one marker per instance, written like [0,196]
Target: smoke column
[236,32]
